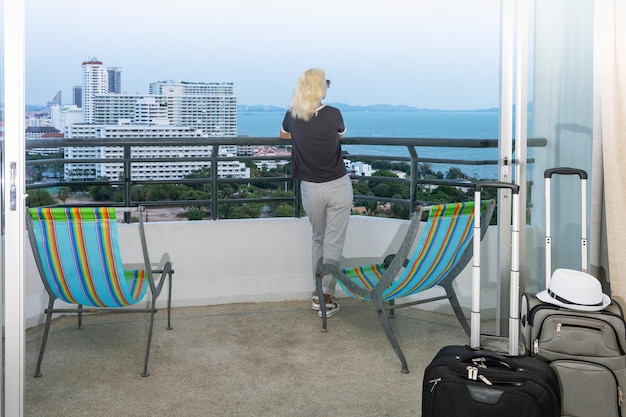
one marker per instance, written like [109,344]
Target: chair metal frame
[394,264]
[164,268]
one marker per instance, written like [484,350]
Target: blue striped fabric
[447,233]
[80,257]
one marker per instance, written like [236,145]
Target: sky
[438,54]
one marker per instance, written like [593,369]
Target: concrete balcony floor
[249,359]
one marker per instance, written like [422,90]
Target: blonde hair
[308,93]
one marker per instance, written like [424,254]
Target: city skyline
[442,55]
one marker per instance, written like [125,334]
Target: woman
[316,160]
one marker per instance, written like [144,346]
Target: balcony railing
[215,181]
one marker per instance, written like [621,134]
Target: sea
[402,124]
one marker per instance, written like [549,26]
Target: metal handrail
[411,144]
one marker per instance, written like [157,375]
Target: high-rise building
[64,116]
[56,100]
[115,80]
[77,95]
[213,114]
[95,81]
[171,109]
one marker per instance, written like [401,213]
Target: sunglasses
[327,83]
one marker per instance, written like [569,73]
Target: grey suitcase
[583,344]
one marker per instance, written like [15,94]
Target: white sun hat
[576,290]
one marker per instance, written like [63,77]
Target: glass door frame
[14,197]
[514,36]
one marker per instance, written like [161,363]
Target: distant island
[348,107]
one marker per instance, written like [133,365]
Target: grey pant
[328,206]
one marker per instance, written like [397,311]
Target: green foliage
[446,194]
[241,211]
[384,173]
[226,192]
[383,189]
[63,194]
[203,173]
[104,193]
[254,169]
[400,211]
[282,194]
[388,165]
[360,188]
[159,192]
[225,211]
[455,173]
[192,194]
[38,198]
[195,214]
[284,210]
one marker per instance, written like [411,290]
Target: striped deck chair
[78,257]
[443,249]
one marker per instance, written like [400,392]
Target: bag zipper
[542,305]
[560,325]
[499,375]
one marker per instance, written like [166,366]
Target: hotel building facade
[170,110]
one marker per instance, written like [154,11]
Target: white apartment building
[95,81]
[171,110]
[142,171]
[64,116]
[358,168]
[37,122]
[210,107]
[191,88]
[42,132]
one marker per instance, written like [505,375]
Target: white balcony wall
[259,260]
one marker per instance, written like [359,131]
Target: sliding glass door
[12,206]
[562,112]
[2,304]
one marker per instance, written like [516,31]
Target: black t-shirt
[316,151]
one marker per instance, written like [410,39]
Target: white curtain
[562,96]
[608,243]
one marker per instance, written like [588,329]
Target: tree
[383,189]
[400,211]
[284,210]
[164,192]
[447,194]
[245,211]
[39,197]
[384,173]
[226,192]
[455,173]
[191,194]
[141,193]
[361,188]
[63,194]
[101,192]
[254,169]
[195,214]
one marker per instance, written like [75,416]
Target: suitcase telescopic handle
[582,174]
[514,282]
[480,185]
[565,171]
